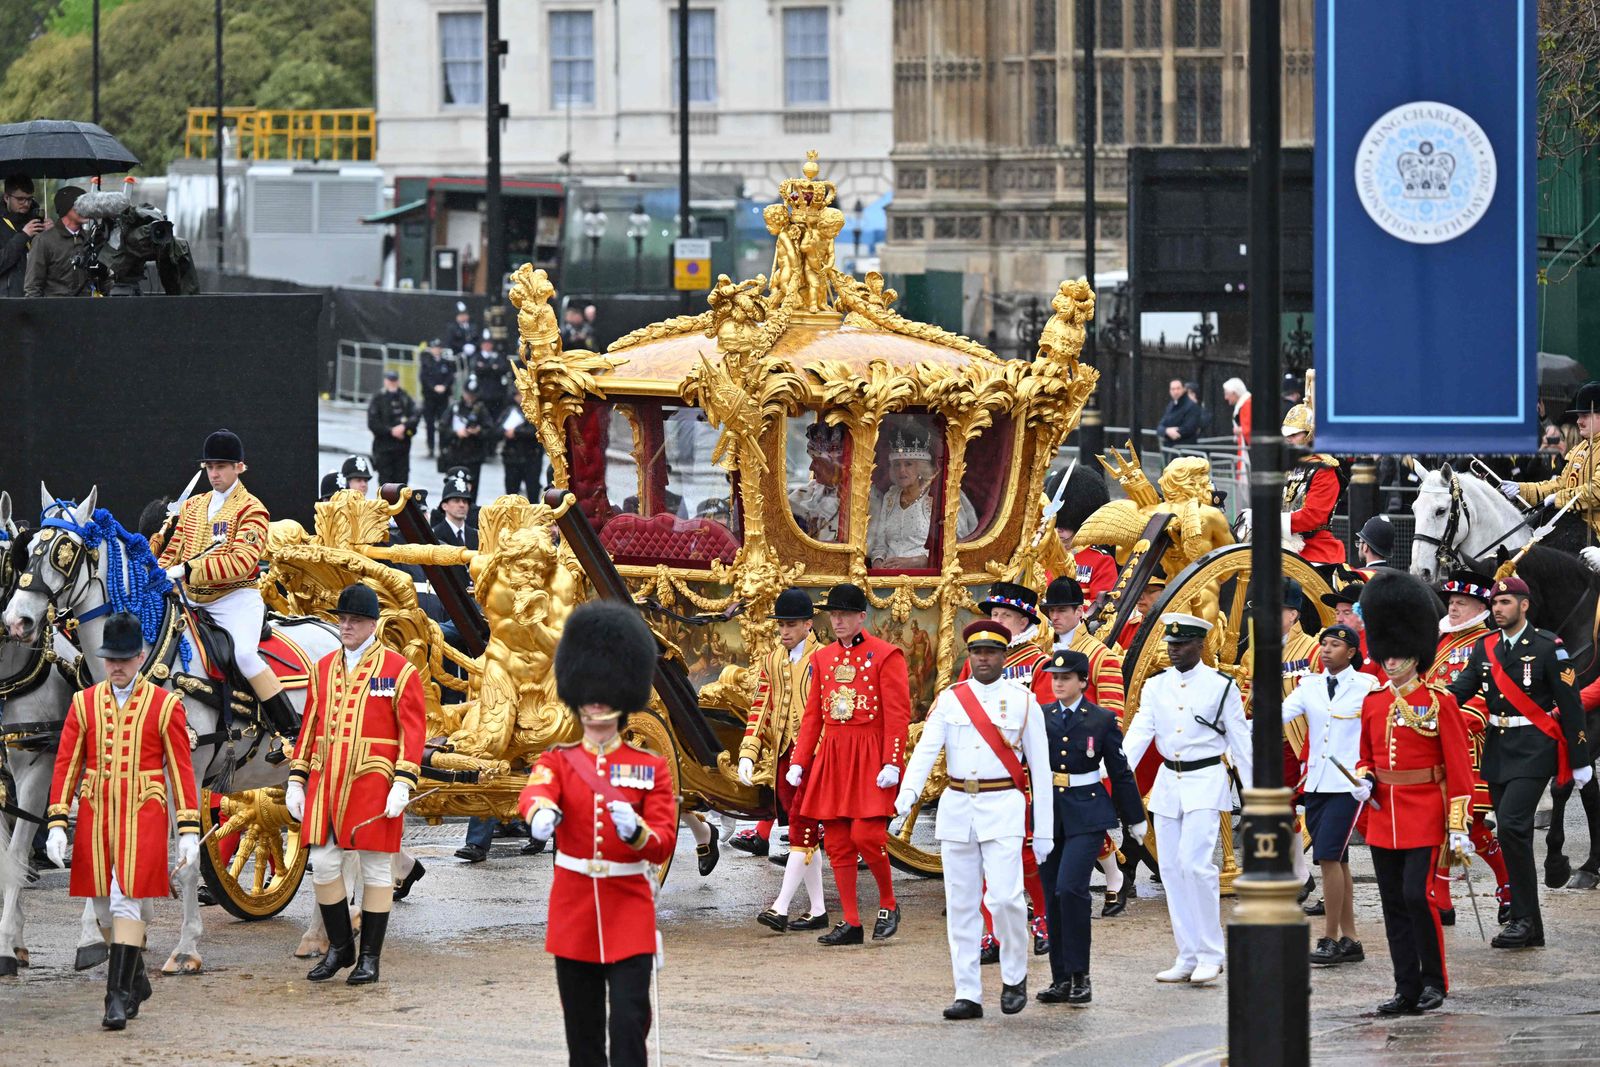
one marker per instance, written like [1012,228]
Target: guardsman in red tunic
[780,704]
[853,747]
[1418,769]
[1467,595]
[117,738]
[213,555]
[1310,492]
[1016,607]
[613,812]
[354,767]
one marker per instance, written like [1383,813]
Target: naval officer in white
[981,725]
[1193,716]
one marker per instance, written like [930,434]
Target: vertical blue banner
[1425,228]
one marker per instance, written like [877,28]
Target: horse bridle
[77,564]
[1449,558]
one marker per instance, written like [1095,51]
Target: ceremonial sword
[1472,895]
[177,506]
[1371,798]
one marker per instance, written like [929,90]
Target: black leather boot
[341,942]
[139,989]
[373,926]
[278,711]
[119,973]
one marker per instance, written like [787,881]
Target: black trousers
[522,473]
[1067,902]
[583,1009]
[1514,804]
[434,405]
[393,460]
[1416,940]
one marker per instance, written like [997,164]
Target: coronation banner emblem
[1425,255]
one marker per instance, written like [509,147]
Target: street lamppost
[857,213]
[638,226]
[594,228]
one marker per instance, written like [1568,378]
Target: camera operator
[20,223]
[56,264]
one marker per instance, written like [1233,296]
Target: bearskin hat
[1401,615]
[607,655]
[1085,492]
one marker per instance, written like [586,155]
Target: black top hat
[332,482]
[1013,596]
[845,597]
[1378,533]
[1350,594]
[359,600]
[457,485]
[122,638]
[793,604]
[356,467]
[1063,592]
[1068,661]
[223,446]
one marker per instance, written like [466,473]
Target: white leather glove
[624,818]
[889,777]
[543,824]
[1509,491]
[1582,776]
[1362,792]
[1042,849]
[903,801]
[1591,556]
[747,770]
[1461,843]
[188,850]
[55,846]
[1138,830]
[175,572]
[795,771]
[399,797]
[294,798]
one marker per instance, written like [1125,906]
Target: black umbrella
[51,148]
[1559,375]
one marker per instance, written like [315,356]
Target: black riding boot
[139,989]
[341,942]
[373,926]
[119,975]
[284,721]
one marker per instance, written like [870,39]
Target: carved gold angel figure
[816,249]
[786,266]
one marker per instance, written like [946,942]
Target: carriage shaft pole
[1268,965]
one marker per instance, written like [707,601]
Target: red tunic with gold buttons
[119,753]
[1454,651]
[603,916]
[1418,733]
[363,730]
[857,714]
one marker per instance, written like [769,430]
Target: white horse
[83,589]
[1460,517]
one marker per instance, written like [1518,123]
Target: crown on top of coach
[806,197]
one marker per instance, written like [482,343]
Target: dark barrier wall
[121,393]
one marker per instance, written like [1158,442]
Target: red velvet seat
[633,539]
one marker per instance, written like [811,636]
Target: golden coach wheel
[265,859]
[1214,588]
[912,846]
[647,729]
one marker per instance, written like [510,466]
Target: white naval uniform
[1333,726]
[981,834]
[1186,805]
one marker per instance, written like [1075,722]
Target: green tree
[156,63]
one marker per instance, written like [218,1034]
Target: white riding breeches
[327,865]
[241,613]
[116,906]
[1187,846]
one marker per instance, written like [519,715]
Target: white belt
[600,868]
[1506,722]
[1085,778]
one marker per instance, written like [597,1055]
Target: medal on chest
[219,532]
[633,776]
[380,687]
[1088,748]
[1527,671]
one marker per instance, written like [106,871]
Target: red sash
[1525,706]
[990,733]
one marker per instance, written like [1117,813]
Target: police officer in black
[461,338]
[1520,683]
[437,375]
[489,366]
[524,455]
[1085,747]
[467,430]
[392,416]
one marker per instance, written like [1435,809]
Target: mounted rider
[1579,479]
[1311,491]
[213,555]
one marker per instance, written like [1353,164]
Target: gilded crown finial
[811,169]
